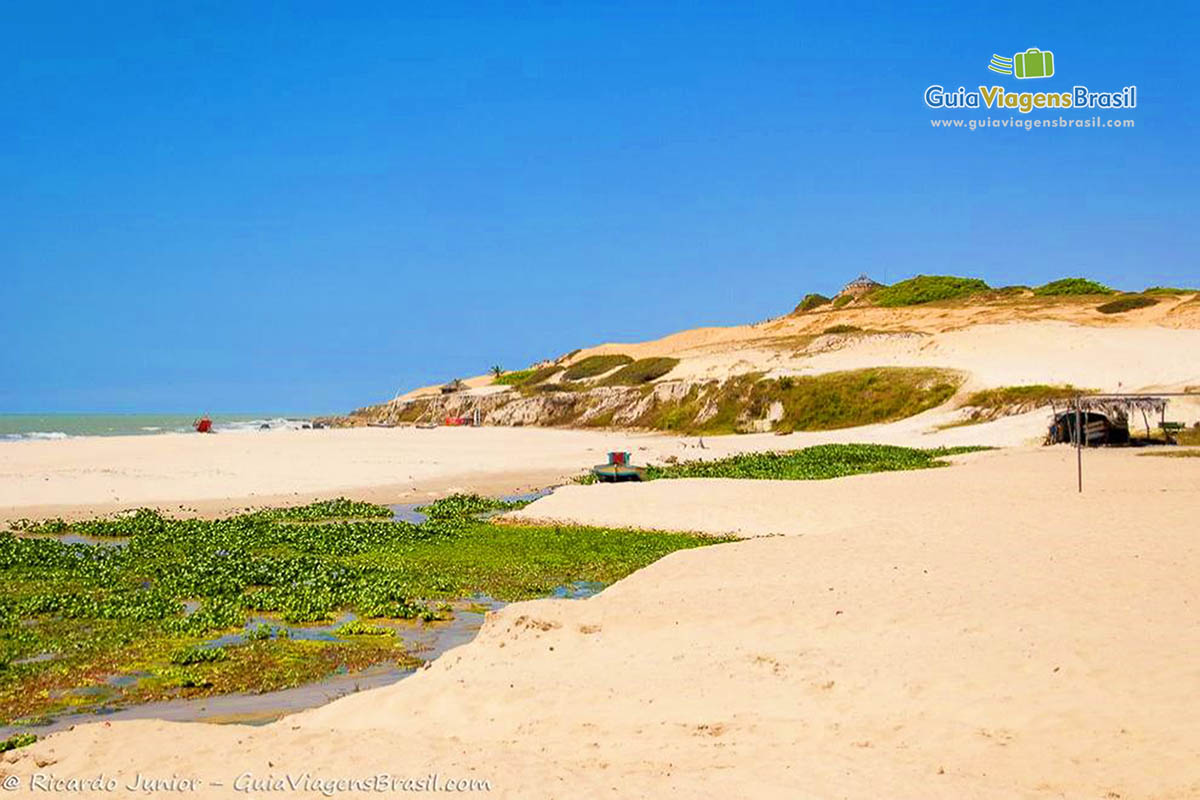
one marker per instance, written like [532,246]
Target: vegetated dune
[978,631]
[988,342]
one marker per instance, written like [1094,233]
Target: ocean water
[15,427]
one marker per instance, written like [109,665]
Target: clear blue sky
[307,206]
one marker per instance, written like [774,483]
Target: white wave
[254,425]
[35,435]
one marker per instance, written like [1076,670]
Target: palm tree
[497,370]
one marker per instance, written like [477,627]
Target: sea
[17,427]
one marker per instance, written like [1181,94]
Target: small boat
[615,473]
[203,425]
[618,469]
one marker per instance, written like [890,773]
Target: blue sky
[306,207]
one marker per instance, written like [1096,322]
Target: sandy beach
[975,631]
[207,475]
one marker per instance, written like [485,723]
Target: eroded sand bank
[977,631]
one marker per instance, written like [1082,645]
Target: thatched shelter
[1106,419]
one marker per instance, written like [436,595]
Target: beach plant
[836,329]
[820,462]
[497,370]
[1129,302]
[842,300]
[592,366]
[926,289]
[1072,286]
[198,655]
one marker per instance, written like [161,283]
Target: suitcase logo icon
[1033,63]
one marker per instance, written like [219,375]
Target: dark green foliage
[592,366]
[1128,302]
[1071,286]
[834,329]
[17,740]
[198,655]
[458,506]
[926,289]
[641,371]
[810,302]
[842,299]
[339,508]
[812,463]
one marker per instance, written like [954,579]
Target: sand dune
[975,631]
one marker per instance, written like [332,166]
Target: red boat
[203,425]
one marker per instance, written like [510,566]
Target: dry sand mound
[978,631]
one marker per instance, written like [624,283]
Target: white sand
[979,631]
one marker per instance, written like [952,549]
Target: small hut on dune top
[859,286]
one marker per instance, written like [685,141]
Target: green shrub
[592,366]
[926,289]
[641,371]
[1071,286]
[1127,303]
[842,329]
[842,300]
[810,302]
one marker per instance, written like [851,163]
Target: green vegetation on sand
[1071,286]
[1128,302]
[641,371]
[136,616]
[810,302]
[1007,400]
[812,463]
[926,289]
[592,366]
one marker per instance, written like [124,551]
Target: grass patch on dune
[74,615]
[642,371]
[1173,453]
[1072,286]
[1007,400]
[1126,303]
[592,366]
[820,462]
[853,398]
[927,289]
[514,378]
[1170,290]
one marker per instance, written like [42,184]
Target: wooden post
[1079,441]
